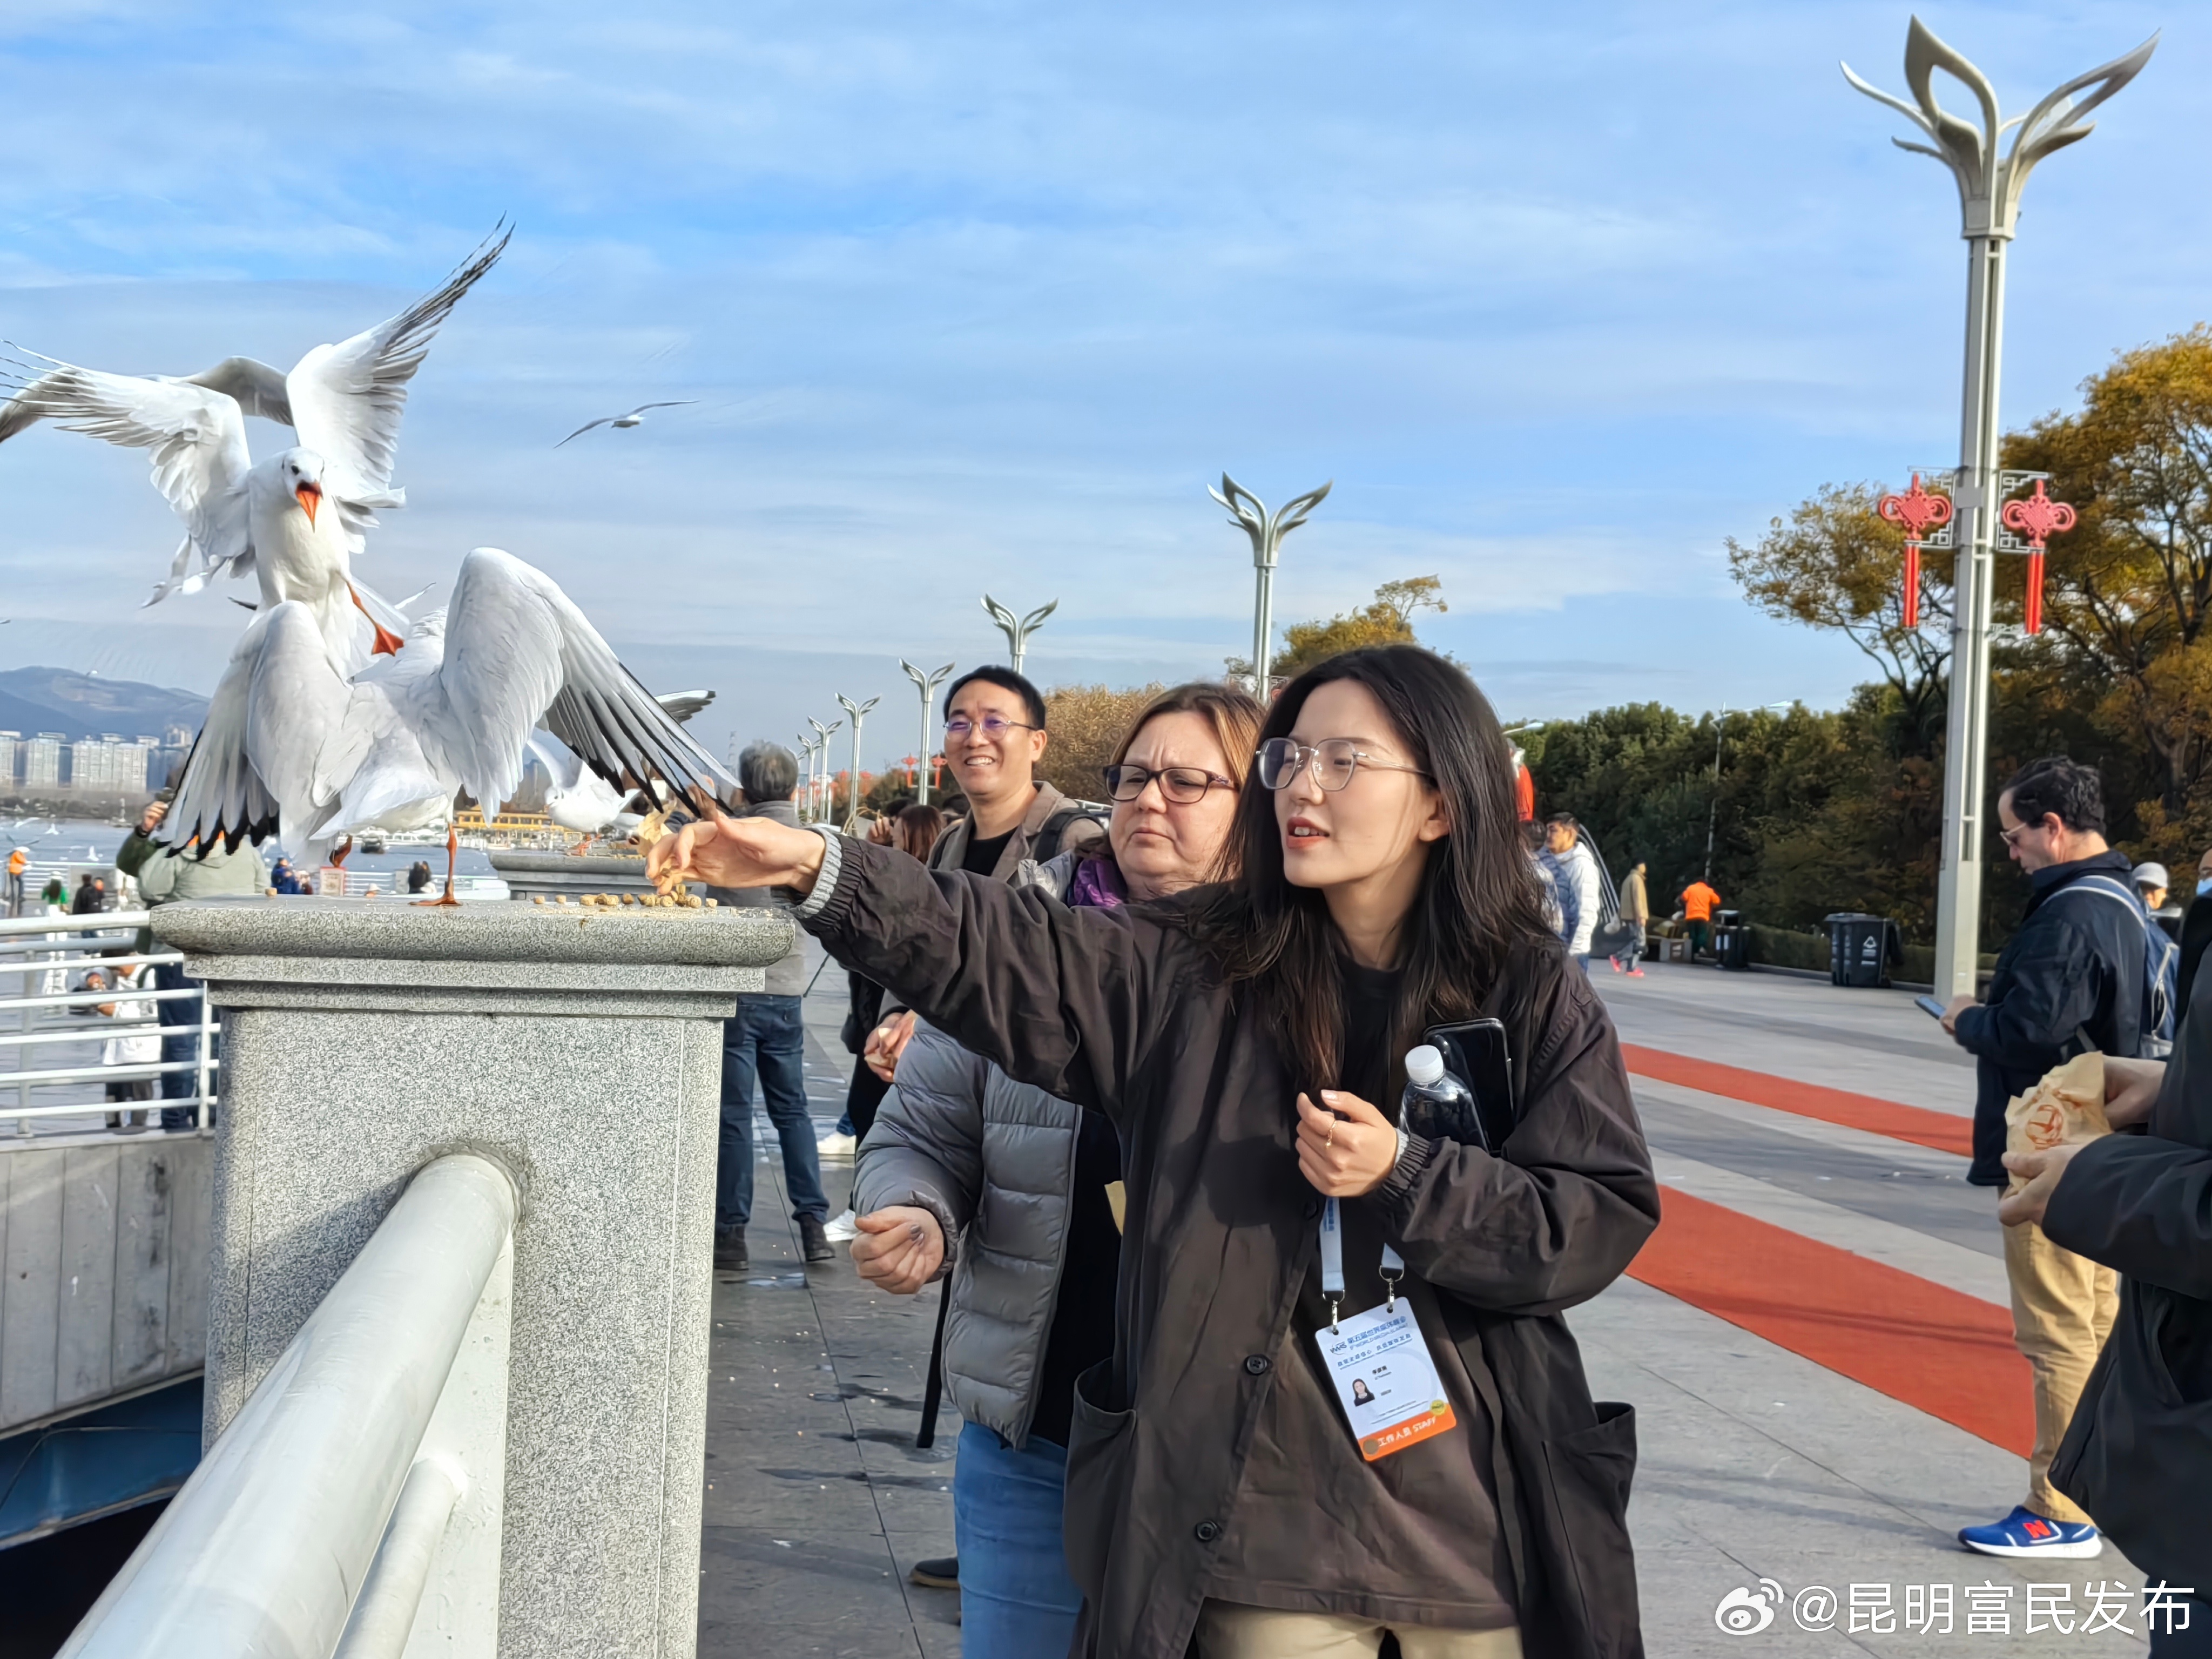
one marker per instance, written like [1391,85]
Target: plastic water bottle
[1436,1105]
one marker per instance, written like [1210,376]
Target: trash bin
[1731,940]
[1861,949]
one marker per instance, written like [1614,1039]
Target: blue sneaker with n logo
[2025,1532]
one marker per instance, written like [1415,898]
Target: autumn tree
[1387,619]
[1086,723]
[2128,593]
[1836,563]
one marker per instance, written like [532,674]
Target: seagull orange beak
[310,494]
[387,642]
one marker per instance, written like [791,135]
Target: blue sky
[982,297]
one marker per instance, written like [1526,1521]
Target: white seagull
[295,747]
[296,518]
[577,798]
[635,417]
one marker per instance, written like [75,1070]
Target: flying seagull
[635,417]
[296,518]
[295,747]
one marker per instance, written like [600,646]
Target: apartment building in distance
[110,764]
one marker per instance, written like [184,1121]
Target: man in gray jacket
[767,1039]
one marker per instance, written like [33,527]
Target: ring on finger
[1331,1141]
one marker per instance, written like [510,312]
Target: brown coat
[952,846]
[1119,1010]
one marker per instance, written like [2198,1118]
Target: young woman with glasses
[1247,1038]
[1013,1194]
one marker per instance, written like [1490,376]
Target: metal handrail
[283,1526]
[35,948]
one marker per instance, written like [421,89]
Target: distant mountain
[84,705]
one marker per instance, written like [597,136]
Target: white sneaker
[834,1145]
[840,1230]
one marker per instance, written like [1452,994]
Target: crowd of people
[1125,1088]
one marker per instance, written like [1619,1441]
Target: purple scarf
[1097,882]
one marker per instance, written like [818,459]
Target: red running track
[1940,1130]
[1933,1348]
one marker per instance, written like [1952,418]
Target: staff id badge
[1379,1360]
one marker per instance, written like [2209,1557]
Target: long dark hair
[1478,896]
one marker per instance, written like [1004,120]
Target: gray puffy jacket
[994,1160]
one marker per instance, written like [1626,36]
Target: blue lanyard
[1331,1264]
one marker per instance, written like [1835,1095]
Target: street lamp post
[1018,629]
[806,796]
[1990,186]
[1249,513]
[822,767]
[859,712]
[1713,807]
[926,684]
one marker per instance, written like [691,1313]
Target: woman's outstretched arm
[1059,998]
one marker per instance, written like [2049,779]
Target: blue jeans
[766,1040]
[181,1045]
[1016,1599]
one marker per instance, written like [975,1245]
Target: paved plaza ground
[1814,1344]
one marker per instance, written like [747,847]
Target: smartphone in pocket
[1475,1053]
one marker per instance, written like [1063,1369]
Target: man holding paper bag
[2069,994]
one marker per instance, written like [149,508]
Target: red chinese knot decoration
[2038,518]
[1917,512]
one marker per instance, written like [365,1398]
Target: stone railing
[373,1051]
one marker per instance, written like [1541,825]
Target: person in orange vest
[1524,787]
[1697,901]
[18,862]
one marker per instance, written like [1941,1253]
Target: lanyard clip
[1335,1302]
[1390,1290]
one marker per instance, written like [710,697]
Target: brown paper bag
[2067,1107]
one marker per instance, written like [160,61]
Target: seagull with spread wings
[296,518]
[635,417]
[294,747]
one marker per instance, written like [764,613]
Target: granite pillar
[581,1050]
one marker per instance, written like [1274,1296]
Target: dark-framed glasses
[1332,761]
[993,727]
[1183,785]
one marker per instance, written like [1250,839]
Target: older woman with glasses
[1227,1487]
[1014,1196]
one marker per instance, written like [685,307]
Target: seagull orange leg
[387,642]
[453,853]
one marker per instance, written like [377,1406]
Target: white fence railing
[361,1482]
[52,1019]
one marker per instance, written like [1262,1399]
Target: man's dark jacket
[1122,1011]
[2138,1457]
[2071,980]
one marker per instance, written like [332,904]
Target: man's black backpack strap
[1052,837]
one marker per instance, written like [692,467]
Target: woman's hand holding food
[898,1247]
[736,853]
[1346,1147]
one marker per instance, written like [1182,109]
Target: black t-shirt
[1082,1331]
[982,857]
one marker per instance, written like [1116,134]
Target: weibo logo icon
[1746,1611]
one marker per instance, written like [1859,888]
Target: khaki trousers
[1228,1629]
[2063,1307]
